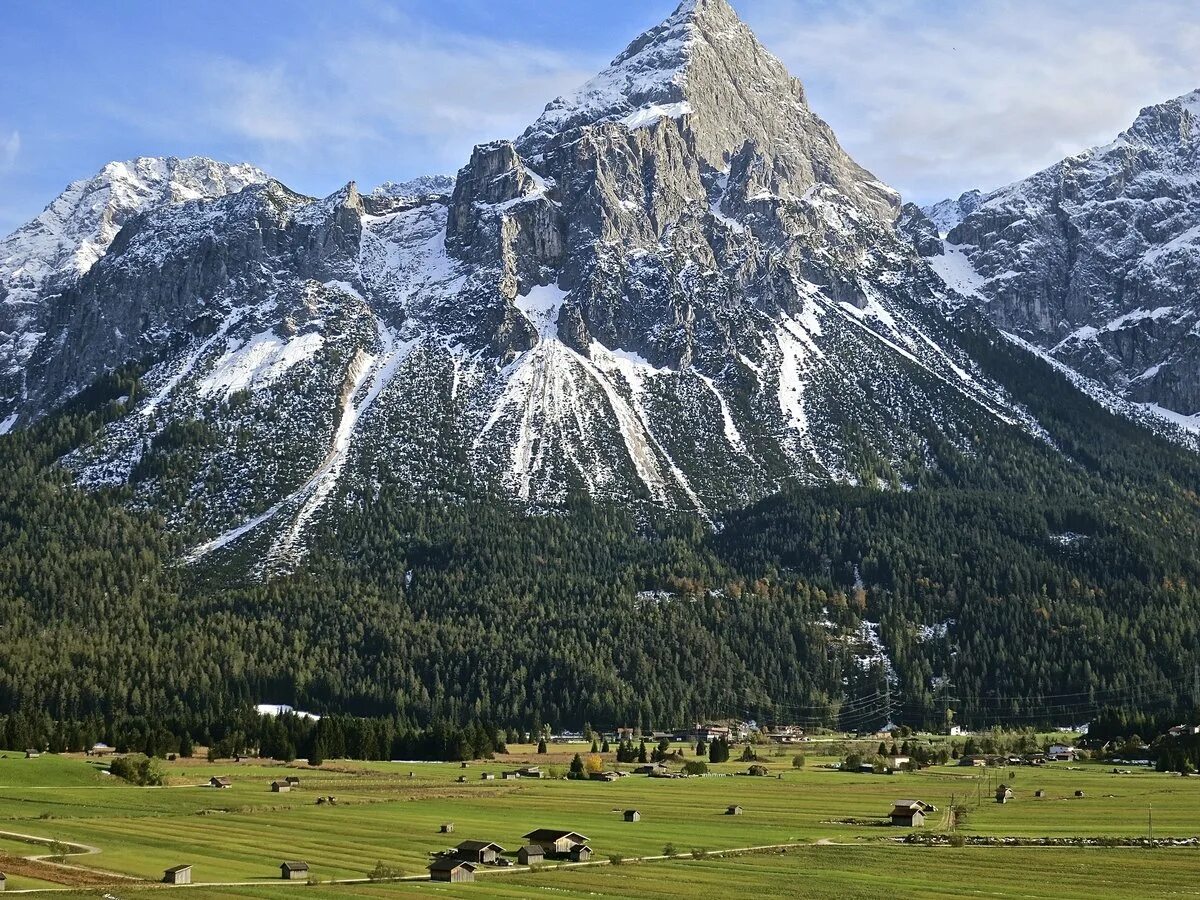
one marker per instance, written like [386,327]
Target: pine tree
[577,766]
[541,748]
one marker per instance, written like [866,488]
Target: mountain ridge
[1094,259]
[687,311]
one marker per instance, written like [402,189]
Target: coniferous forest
[1047,581]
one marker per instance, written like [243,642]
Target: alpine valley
[664,408]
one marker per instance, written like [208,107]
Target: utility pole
[1150,825]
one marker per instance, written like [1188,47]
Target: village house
[293,871]
[788,734]
[555,842]
[975,760]
[531,855]
[710,733]
[1062,753]
[581,853]
[220,781]
[910,813]
[481,852]
[178,875]
[632,815]
[450,869]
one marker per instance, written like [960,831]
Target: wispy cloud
[10,149]
[430,97]
[939,98]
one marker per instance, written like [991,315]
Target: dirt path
[48,867]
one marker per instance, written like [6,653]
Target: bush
[798,761]
[616,859]
[957,840]
[139,770]
[384,872]
[669,850]
[695,767]
[700,854]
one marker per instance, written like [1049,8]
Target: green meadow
[826,823]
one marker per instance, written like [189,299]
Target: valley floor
[824,830]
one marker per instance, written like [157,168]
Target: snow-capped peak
[651,74]
[75,230]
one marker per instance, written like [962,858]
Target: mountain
[74,232]
[651,414]
[675,288]
[1096,260]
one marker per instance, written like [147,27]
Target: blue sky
[935,97]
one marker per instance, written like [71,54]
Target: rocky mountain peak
[704,71]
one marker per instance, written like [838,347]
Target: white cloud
[10,149]
[938,98]
[423,96]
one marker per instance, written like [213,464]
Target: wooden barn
[293,871]
[178,875]
[450,869]
[531,855]
[909,813]
[581,853]
[632,815]
[483,852]
[553,841]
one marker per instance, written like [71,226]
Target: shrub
[384,872]
[669,850]
[616,859]
[957,840]
[139,770]
[798,761]
[695,767]
[700,853]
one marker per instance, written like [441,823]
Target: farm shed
[581,853]
[553,841]
[733,811]
[478,851]
[280,787]
[220,781]
[450,869]
[1003,793]
[530,855]
[178,875]
[909,813]
[293,871]
[632,815]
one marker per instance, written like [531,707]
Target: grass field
[383,813]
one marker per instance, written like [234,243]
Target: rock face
[675,288]
[63,243]
[1097,259]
